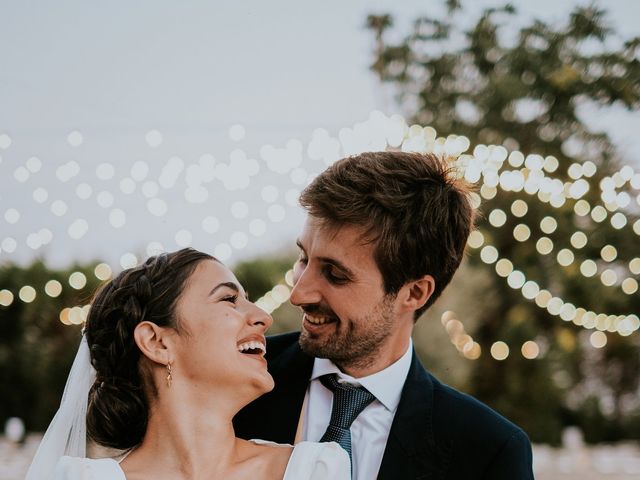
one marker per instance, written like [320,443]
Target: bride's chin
[270,384]
[264,384]
[257,388]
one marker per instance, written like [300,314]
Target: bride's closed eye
[230,298]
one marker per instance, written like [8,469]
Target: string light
[74,315]
[530,350]
[464,343]
[598,339]
[6,297]
[27,294]
[102,271]
[565,257]
[77,280]
[486,164]
[499,350]
[279,294]
[53,288]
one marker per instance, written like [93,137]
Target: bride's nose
[258,317]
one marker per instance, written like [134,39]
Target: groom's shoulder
[459,414]
[472,437]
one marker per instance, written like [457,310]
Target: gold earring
[169,375]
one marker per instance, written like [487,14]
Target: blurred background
[129,129]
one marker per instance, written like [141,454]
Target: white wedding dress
[309,461]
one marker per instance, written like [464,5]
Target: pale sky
[116,70]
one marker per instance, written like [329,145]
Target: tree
[36,348]
[523,92]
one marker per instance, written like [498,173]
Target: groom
[385,233]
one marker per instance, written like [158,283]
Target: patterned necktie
[348,402]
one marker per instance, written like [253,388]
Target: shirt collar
[386,385]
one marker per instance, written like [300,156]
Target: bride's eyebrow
[230,285]
[233,286]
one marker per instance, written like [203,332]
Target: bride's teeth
[253,345]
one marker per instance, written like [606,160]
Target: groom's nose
[305,288]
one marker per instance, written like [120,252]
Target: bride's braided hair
[118,406]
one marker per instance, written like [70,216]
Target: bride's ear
[153,341]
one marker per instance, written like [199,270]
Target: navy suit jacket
[437,433]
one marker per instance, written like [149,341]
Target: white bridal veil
[67,433]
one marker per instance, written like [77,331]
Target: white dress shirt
[370,430]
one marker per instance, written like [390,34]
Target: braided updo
[117,412]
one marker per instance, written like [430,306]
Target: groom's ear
[154,342]
[414,294]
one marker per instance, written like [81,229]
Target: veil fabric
[67,432]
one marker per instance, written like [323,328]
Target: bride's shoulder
[315,461]
[74,468]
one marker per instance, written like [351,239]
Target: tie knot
[348,400]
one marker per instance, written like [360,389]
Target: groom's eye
[333,276]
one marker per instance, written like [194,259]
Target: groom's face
[347,318]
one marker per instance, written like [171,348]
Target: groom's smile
[316,325]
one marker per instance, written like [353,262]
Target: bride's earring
[169,375]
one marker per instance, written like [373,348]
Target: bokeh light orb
[530,350]
[504,267]
[53,288]
[489,254]
[629,286]
[521,232]
[499,350]
[578,240]
[27,294]
[598,339]
[102,271]
[565,257]
[476,239]
[6,297]
[588,268]
[77,280]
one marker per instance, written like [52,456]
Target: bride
[176,350]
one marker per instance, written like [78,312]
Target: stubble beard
[358,346]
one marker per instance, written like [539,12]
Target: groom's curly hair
[118,407]
[413,207]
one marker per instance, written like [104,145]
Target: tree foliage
[36,349]
[524,88]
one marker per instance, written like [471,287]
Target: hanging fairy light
[492,167]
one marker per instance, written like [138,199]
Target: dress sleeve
[72,468]
[318,461]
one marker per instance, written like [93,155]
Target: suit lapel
[410,451]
